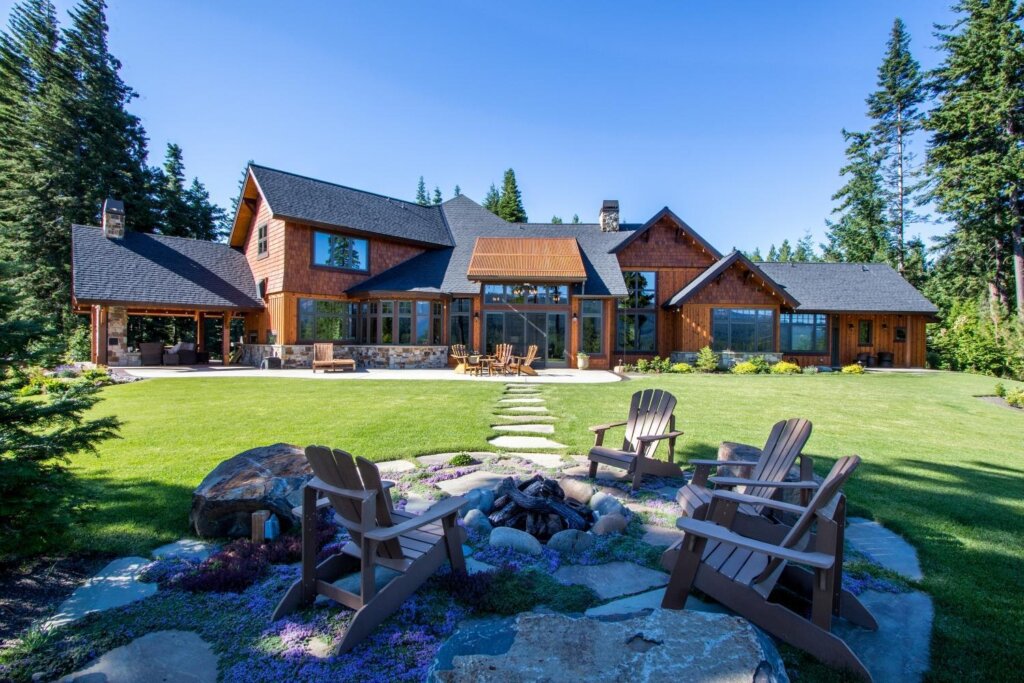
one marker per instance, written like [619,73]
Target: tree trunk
[900,218]
[1018,266]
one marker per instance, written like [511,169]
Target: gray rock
[116,584]
[899,649]
[472,480]
[571,541]
[507,537]
[580,491]
[477,522]
[166,656]
[665,646]
[886,548]
[185,549]
[265,478]
[612,580]
[472,501]
[604,504]
[486,500]
[475,566]
[609,524]
[660,536]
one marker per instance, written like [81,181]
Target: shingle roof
[445,270]
[848,287]
[313,201]
[160,271]
[719,267]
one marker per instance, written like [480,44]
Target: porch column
[226,338]
[99,335]
[200,332]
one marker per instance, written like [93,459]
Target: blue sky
[728,112]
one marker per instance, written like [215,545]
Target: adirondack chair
[415,546]
[784,445]
[323,358]
[460,356]
[650,412]
[521,364]
[502,359]
[741,572]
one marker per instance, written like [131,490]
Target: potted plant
[582,360]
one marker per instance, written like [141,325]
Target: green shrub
[97,376]
[653,365]
[1015,397]
[681,368]
[461,460]
[853,369]
[1000,389]
[786,368]
[762,364]
[745,368]
[707,360]
[79,346]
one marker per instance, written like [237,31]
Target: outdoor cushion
[175,348]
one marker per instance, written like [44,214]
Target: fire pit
[537,506]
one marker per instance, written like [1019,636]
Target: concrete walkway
[550,376]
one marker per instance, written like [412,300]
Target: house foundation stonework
[393,284]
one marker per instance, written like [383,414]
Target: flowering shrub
[786,368]
[681,368]
[745,368]
[853,369]
[1015,397]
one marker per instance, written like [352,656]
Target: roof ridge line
[344,187]
[156,234]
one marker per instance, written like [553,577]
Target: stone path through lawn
[520,434]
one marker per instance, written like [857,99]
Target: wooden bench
[323,358]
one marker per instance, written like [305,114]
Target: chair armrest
[352,494]
[448,506]
[601,428]
[387,485]
[714,532]
[758,500]
[739,481]
[724,463]
[659,437]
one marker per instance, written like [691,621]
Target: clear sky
[728,112]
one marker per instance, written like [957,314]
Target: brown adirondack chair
[521,364]
[650,412]
[784,445]
[415,546]
[323,358]
[502,359]
[742,572]
[460,356]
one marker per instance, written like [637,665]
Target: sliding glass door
[545,329]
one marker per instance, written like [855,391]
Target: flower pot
[582,362]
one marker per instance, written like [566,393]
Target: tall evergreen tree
[437,195]
[755,255]
[457,192]
[575,219]
[804,251]
[229,216]
[976,156]
[860,232]
[895,106]
[175,216]
[205,218]
[421,193]
[492,199]
[510,206]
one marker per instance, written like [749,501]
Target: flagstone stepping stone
[395,466]
[525,427]
[517,442]
[635,604]
[473,480]
[115,585]
[665,645]
[186,549]
[551,461]
[166,656]
[525,391]
[660,536]
[524,409]
[613,579]
[416,504]
[898,650]
[607,473]
[521,400]
[883,547]
[524,419]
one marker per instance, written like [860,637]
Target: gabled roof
[849,287]
[529,259]
[157,270]
[316,202]
[668,213]
[722,265]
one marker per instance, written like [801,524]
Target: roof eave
[683,224]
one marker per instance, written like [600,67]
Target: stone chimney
[113,218]
[609,217]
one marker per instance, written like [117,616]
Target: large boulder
[507,537]
[264,478]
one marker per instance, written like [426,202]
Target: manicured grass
[177,430]
[941,467]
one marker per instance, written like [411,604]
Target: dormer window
[262,243]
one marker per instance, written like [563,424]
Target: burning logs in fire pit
[539,507]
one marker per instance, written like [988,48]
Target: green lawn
[941,467]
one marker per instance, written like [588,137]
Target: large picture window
[460,322]
[637,314]
[322,320]
[402,322]
[591,326]
[803,333]
[749,330]
[331,250]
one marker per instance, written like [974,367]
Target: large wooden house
[394,284]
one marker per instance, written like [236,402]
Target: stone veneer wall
[301,355]
[117,328]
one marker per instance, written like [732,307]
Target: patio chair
[521,364]
[650,412]
[152,353]
[460,356]
[742,572]
[323,358]
[413,546]
[502,359]
[182,353]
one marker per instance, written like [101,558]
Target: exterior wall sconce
[849,326]
[476,315]
[573,316]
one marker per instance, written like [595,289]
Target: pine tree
[785,254]
[492,199]
[805,249]
[895,108]
[773,254]
[437,195]
[510,207]
[175,216]
[859,234]
[229,216]
[575,219]
[421,193]
[458,191]
[555,220]
[755,255]
[976,156]
[205,218]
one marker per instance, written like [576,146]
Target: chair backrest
[503,352]
[650,412]
[781,450]
[459,351]
[531,355]
[338,468]
[323,352]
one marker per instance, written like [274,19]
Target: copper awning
[526,259]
